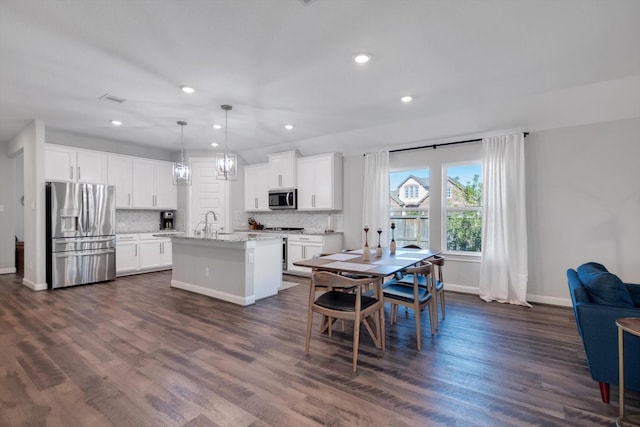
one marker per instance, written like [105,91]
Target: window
[463,207]
[411,191]
[409,206]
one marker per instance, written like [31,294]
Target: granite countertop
[230,237]
[309,232]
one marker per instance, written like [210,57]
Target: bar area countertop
[240,268]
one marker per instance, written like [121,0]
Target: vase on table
[366,253]
[379,248]
[392,245]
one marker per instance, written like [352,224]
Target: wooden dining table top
[353,262]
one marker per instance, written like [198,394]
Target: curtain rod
[434,146]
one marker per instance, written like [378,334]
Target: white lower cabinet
[305,246]
[138,253]
[127,260]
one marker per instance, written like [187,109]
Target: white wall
[30,141]
[18,194]
[583,204]
[108,145]
[7,227]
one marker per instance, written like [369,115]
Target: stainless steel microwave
[284,198]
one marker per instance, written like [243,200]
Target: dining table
[353,262]
[377,267]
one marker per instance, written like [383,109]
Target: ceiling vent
[107,97]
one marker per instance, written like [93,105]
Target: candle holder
[366,254]
[392,245]
[379,248]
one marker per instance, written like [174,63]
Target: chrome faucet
[206,221]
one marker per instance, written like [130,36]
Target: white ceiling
[473,67]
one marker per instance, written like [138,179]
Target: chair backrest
[412,246]
[325,279]
[423,269]
[438,261]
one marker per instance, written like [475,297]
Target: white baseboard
[7,270]
[34,286]
[541,299]
[235,299]
[564,302]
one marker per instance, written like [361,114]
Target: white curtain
[375,201]
[504,271]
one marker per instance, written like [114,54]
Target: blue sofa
[599,298]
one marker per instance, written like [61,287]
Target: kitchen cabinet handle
[313,200]
[136,253]
[279,180]
[78,173]
[129,199]
[256,202]
[70,172]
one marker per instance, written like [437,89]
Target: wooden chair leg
[416,314]
[308,336]
[442,303]
[382,328]
[356,342]
[604,392]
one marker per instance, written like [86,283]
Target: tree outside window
[463,209]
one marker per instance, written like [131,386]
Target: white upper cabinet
[282,170]
[320,182]
[75,165]
[256,187]
[120,175]
[153,185]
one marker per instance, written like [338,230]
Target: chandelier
[181,170]
[226,164]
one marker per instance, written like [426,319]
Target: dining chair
[412,296]
[336,304]
[438,262]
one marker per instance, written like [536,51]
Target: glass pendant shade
[226,163]
[182,170]
[181,174]
[226,166]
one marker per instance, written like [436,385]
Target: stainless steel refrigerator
[81,233]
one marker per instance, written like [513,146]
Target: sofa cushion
[604,287]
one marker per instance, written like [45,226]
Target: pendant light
[182,171]
[226,164]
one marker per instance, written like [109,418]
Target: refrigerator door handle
[83,253]
[87,240]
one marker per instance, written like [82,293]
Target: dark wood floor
[136,353]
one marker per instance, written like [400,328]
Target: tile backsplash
[310,221]
[138,221]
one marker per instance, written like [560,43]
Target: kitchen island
[240,268]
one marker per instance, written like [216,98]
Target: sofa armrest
[634,290]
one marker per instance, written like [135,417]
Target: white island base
[236,269]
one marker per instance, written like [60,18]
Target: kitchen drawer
[305,238]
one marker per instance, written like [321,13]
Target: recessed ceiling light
[187,89]
[406,99]
[116,122]
[216,126]
[214,144]
[362,58]
[288,127]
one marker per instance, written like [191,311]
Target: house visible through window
[463,208]
[409,207]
